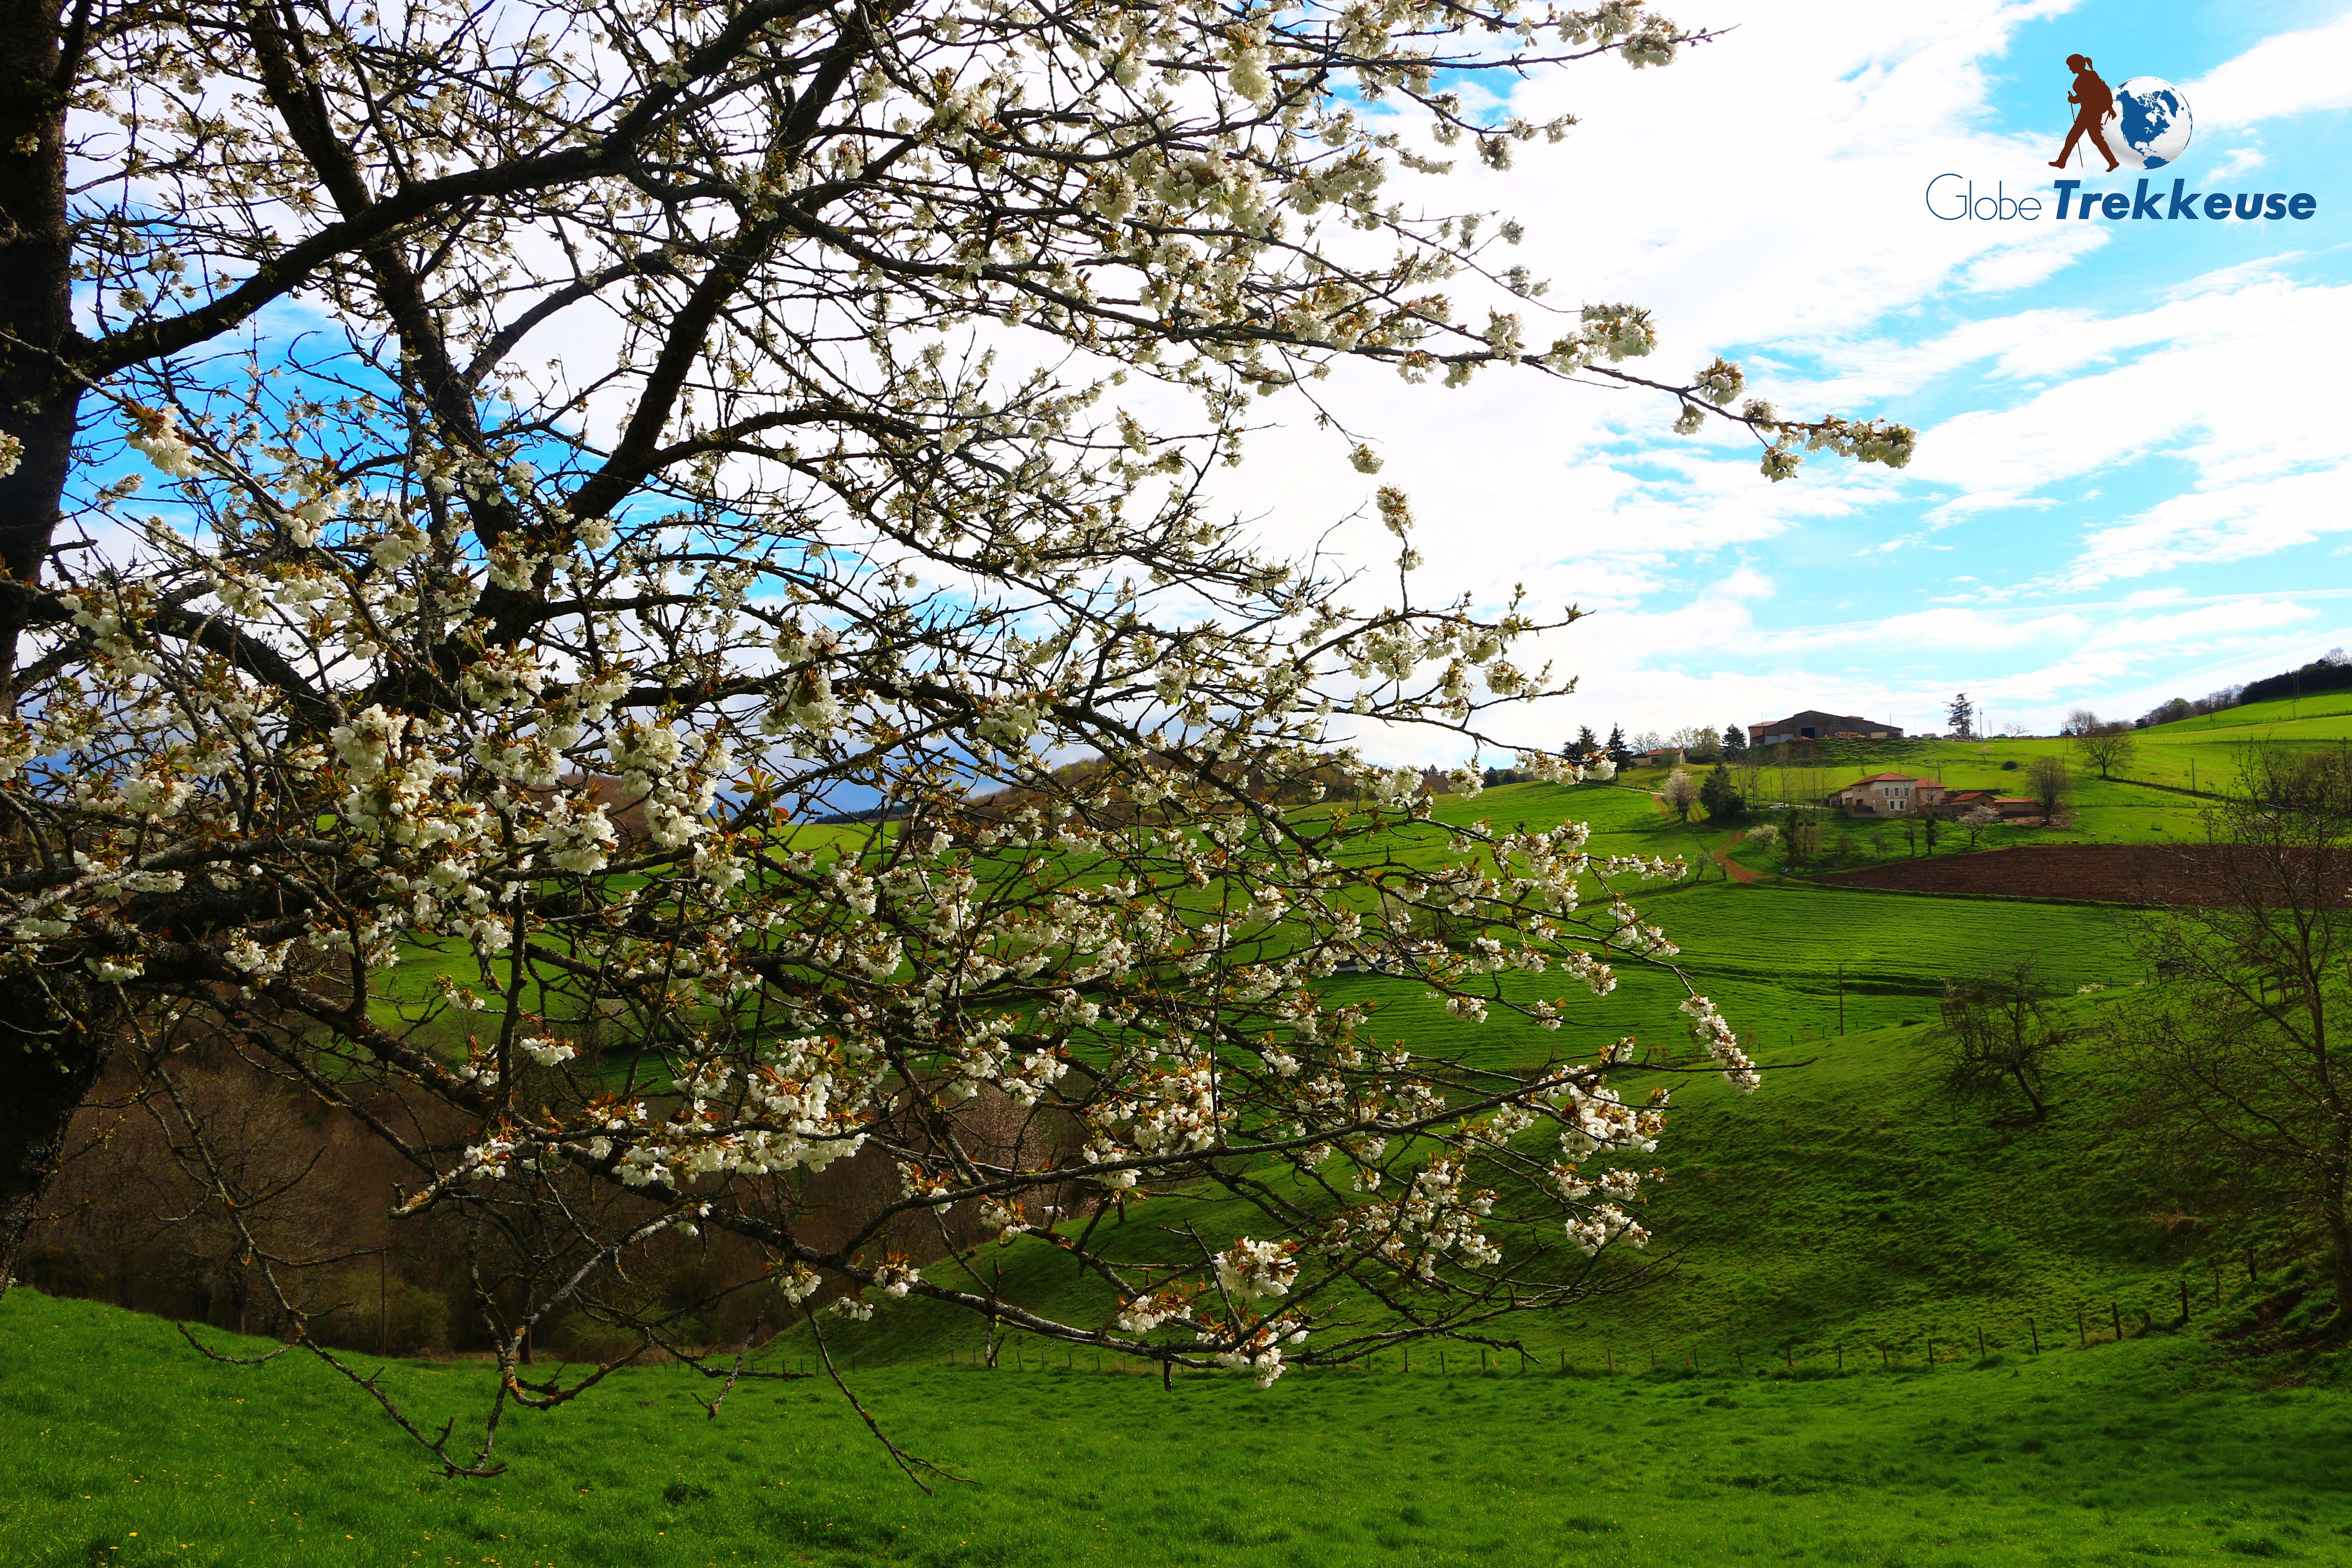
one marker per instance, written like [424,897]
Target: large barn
[1814,725]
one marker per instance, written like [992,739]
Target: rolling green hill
[2155,798]
[126,1450]
[1844,1202]
[1772,1398]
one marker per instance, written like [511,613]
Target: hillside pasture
[1773,1399]
[127,1451]
[1775,957]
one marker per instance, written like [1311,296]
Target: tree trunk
[39,401]
[51,1047]
[2025,1086]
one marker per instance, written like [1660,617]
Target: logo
[2143,124]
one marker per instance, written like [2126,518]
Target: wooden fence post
[2036,1334]
[2119,1311]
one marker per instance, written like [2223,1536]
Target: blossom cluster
[832,740]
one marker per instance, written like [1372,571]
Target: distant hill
[2331,672]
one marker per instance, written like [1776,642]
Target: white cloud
[2225,523]
[2290,74]
[2200,626]
[2236,161]
[1766,198]
[2213,378]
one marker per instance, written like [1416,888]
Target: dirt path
[1721,853]
[1733,869]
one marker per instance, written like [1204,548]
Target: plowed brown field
[2112,873]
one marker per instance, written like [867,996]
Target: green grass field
[126,1451]
[1772,1401]
[1826,1230]
[1845,1203]
[2158,797]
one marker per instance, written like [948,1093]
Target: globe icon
[2150,124]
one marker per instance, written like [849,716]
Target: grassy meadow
[125,1450]
[1775,1400]
[1887,1334]
[2156,798]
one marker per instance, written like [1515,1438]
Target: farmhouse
[1814,724]
[1890,795]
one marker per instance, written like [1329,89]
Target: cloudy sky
[2132,478]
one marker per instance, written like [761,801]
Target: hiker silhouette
[2093,99]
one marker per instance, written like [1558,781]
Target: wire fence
[2163,1306]
[2091,1325]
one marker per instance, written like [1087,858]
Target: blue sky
[2134,479]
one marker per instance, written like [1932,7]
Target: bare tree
[2234,1051]
[1996,1035]
[2052,783]
[2080,721]
[2108,747]
[1748,769]
[722,405]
